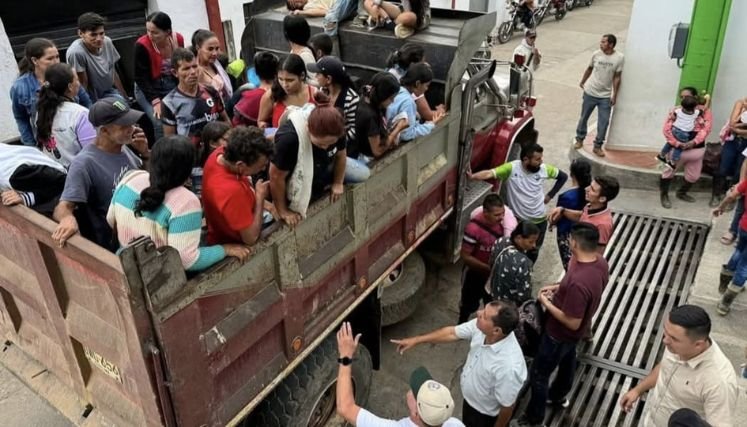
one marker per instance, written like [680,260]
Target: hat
[434,401]
[108,111]
[329,66]
[530,33]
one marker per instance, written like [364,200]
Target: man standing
[429,403]
[602,190]
[233,208]
[570,307]
[96,171]
[524,186]
[94,58]
[601,82]
[480,234]
[528,50]
[693,373]
[495,369]
[190,106]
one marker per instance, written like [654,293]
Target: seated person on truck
[399,62]
[415,83]
[289,88]
[297,32]
[374,136]
[310,155]
[233,208]
[246,110]
[30,178]
[404,18]
[310,8]
[96,171]
[156,204]
[335,82]
[190,106]
[321,45]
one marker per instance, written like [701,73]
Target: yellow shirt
[707,384]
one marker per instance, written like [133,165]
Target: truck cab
[130,339]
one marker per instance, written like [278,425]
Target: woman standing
[62,126]
[153,76]
[39,54]
[734,137]
[511,274]
[335,82]
[206,48]
[289,88]
[156,204]
[572,199]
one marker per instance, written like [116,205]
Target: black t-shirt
[286,156]
[367,123]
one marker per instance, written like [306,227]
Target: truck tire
[306,398]
[403,290]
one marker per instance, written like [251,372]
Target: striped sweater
[176,223]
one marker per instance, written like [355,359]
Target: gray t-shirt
[99,68]
[604,67]
[90,183]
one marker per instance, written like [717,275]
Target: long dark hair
[170,165]
[51,95]
[161,20]
[34,48]
[409,53]
[581,170]
[383,85]
[418,72]
[296,29]
[292,64]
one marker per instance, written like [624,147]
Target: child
[684,128]
[321,45]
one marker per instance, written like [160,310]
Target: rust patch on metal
[297,344]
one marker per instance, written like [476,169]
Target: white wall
[730,83]
[8,74]
[650,78]
[187,16]
[233,10]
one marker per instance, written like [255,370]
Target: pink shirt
[603,221]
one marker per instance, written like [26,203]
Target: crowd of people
[242,156]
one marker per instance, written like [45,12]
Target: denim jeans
[738,261]
[340,11]
[551,354]
[603,118]
[731,158]
[738,212]
[356,170]
[147,108]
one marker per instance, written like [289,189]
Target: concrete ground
[566,47]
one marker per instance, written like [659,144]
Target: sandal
[728,238]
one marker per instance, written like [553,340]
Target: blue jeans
[603,118]
[551,354]
[738,261]
[731,158]
[738,212]
[356,170]
[147,108]
[681,136]
[340,11]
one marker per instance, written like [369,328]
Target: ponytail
[150,199]
[52,94]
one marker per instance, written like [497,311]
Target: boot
[725,304]
[717,191]
[682,192]
[724,279]
[664,190]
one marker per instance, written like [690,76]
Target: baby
[683,130]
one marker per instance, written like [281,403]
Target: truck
[132,340]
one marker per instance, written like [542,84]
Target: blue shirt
[23,94]
[574,199]
[404,102]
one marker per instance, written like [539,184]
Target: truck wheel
[403,290]
[306,398]
[505,31]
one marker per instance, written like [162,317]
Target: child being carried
[683,130]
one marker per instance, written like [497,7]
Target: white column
[187,16]
[730,80]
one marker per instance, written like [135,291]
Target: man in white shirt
[528,49]
[601,82]
[495,369]
[429,403]
[693,373]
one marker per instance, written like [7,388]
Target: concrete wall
[187,16]
[730,81]
[233,10]
[8,74]
[650,78]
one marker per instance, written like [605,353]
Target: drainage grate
[652,265]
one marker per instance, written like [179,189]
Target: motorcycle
[555,7]
[506,30]
[570,4]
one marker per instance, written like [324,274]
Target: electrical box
[678,40]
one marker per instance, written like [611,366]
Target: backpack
[531,325]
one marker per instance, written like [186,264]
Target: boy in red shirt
[233,209]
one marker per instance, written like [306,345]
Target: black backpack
[531,325]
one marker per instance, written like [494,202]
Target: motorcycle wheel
[569,5]
[560,14]
[505,31]
[538,18]
[588,2]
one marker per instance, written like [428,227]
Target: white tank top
[684,121]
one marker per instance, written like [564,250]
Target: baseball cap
[108,111]
[329,66]
[434,401]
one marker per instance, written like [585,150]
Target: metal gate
[652,265]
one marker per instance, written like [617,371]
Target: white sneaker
[403,32]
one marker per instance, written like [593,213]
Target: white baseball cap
[434,401]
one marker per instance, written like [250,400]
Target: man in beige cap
[429,402]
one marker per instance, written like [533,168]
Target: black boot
[682,192]
[724,279]
[727,298]
[664,190]
[717,191]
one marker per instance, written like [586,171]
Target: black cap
[329,66]
[108,111]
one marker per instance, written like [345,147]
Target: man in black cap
[96,170]
[429,402]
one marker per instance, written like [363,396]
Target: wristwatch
[345,361]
